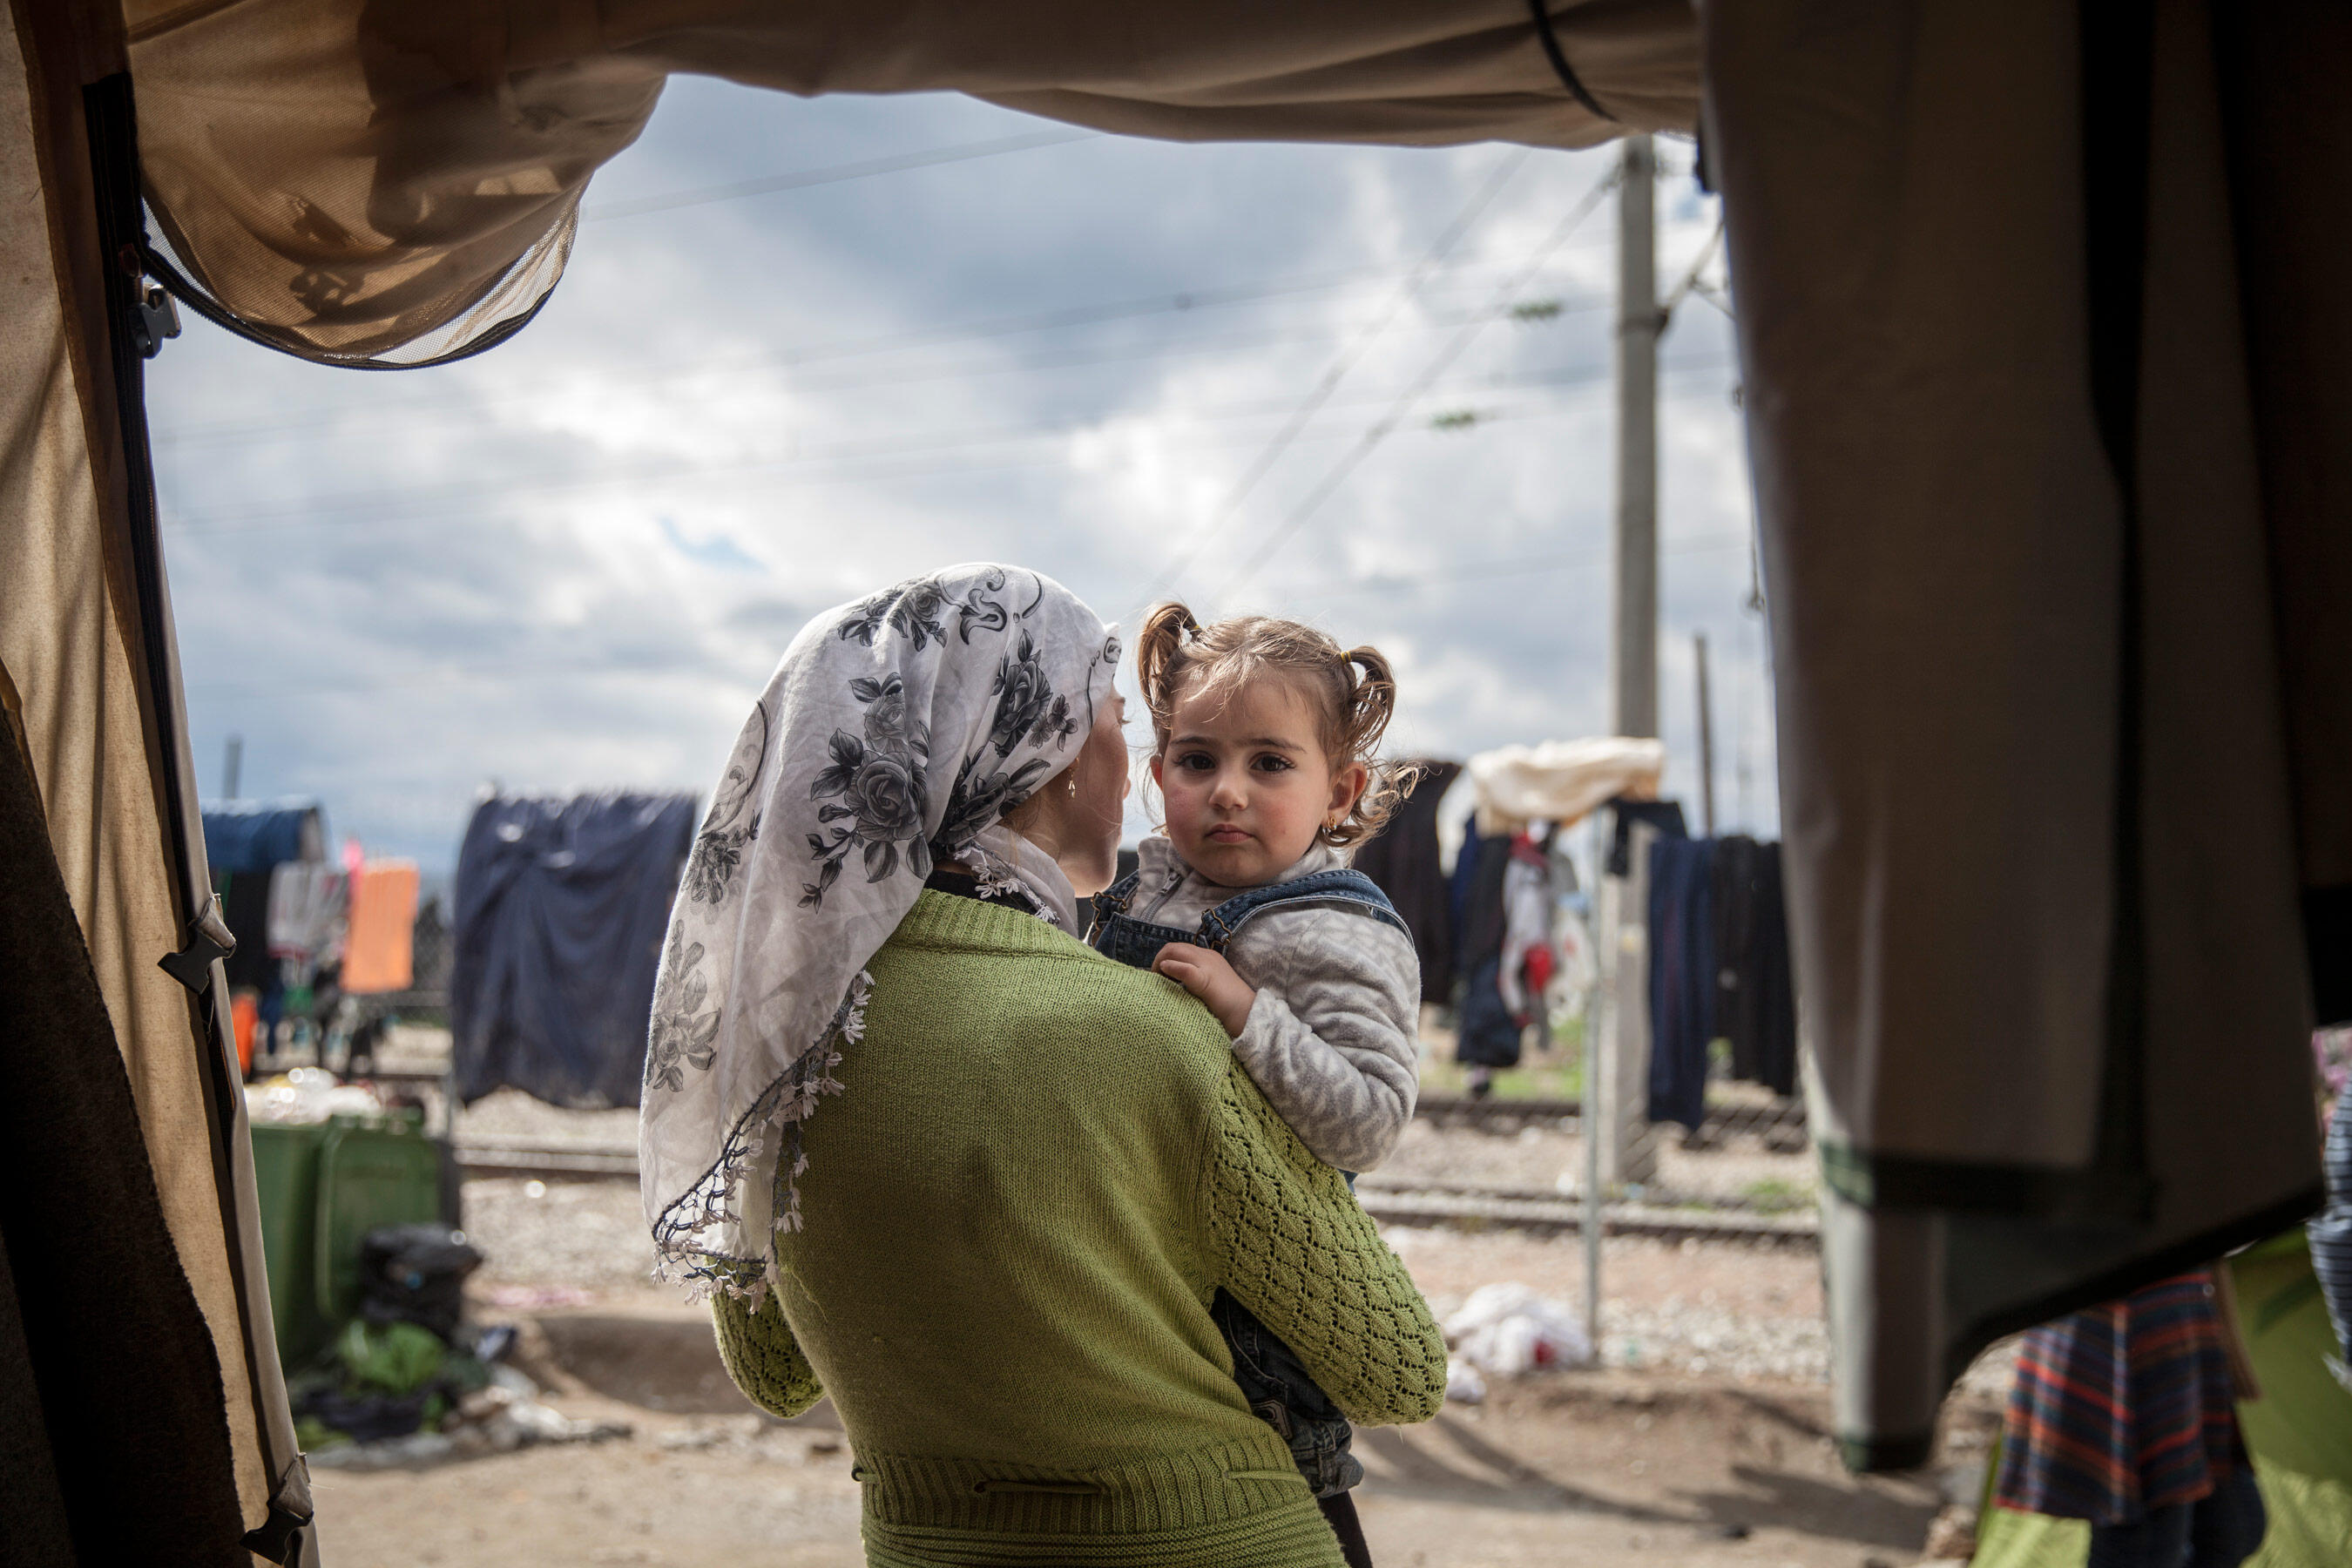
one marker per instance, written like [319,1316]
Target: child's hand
[1208,976]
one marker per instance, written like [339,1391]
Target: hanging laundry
[244,842]
[1404,861]
[1570,938]
[1486,1032]
[1529,957]
[560,908]
[1489,1033]
[245,906]
[1665,816]
[1682,978]
[377,944]
[1562,782]
[1756,992]
[253,836]
[307,904]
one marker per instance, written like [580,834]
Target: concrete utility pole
[232,763]
[1615,1073]
[1636,609]
[1705,742]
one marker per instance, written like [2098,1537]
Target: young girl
[1264,736]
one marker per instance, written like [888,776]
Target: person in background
[2125,1415]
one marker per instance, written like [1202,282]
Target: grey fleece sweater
[1332,1039]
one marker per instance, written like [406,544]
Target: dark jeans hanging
[1682,977]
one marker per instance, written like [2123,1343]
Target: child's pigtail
[1157,647]
[1371,699]
[1370,703]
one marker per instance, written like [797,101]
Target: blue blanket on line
[561,907]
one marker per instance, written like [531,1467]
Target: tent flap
[382,181]
[91,675]
[2035,674]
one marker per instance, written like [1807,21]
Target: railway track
[1474,1205]
[1781,1125]
[1389,1200]
[509,1157]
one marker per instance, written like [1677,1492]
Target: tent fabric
[246,836]
[561,907]
[353,178]
[2053,677]
[1562,782]
[109,1386]
[76,602]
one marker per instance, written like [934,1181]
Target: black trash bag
[365,1417]
[416,1274]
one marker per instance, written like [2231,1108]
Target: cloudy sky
[1365,387]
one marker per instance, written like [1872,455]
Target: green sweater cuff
[763,1357]
[1296,1248]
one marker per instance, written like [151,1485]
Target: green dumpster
[321,1187]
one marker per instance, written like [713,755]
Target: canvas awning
[2044,368]
[357,177]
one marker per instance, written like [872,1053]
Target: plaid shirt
[2122,1409]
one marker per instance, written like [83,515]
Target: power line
[1523,567]
[1693,279]
[864,169]
[638,670]
[1045,361]
[1173,572]
[983,329]
[376,504]
[1379,430]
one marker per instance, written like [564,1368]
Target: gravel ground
[586,1235]
[1713,1310]
[1546,1159]
[510,1114]
[1745,1313]
[1539,1158]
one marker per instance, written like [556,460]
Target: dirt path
[1700,1442]
[1595,1469]
[1611,1466]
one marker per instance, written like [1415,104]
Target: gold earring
[1072,788]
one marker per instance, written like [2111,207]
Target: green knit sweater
[1043,1165]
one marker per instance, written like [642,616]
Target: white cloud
[571,562]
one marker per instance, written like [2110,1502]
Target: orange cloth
[244,1019]
[376,952]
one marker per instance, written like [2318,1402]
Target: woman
[995,1233]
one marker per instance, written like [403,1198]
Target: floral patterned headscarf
[894,734]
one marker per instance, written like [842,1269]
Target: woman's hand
[1210,978]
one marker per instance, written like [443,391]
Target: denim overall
[1272,1380]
